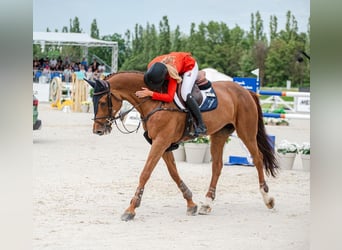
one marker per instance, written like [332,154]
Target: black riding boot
[201,129]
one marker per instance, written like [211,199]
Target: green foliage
[230,50]
[202,139]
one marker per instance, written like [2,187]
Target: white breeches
[189,79]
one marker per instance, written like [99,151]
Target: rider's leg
[193,107]
[189,79]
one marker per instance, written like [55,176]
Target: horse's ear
[91,83]
[102,83]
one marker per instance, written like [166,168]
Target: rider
[172,67]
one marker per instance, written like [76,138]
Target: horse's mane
[116,73]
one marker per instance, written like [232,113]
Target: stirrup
[199,131]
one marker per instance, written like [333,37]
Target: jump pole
[283,93]
[285,116]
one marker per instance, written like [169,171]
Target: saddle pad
[209,100]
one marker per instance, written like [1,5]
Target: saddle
[202,92]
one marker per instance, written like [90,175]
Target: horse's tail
[264,142]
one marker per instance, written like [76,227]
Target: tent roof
[80,39]
[213,75]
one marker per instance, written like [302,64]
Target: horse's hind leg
[251,144]
[217,143]
[171,166]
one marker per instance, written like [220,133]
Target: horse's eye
[102,104]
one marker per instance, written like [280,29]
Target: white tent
[213,75]
[76,39]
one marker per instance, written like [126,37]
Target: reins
[160,108]
[110,119]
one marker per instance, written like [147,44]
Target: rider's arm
[166,97]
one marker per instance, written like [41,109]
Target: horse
[238,110]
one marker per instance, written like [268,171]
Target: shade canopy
[76,39]
[214,75]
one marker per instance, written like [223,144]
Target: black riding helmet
[155,75]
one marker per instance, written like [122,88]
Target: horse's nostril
[98,132]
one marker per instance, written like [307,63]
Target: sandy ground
[84,182]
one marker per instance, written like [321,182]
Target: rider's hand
[143,93]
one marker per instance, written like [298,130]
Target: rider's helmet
[155,75]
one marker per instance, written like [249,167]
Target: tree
[94,31]
[75,25]
[164,36]
[177,43]
[74,52]
[273,27]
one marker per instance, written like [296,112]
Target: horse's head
[106,105]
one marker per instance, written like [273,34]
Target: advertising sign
[248,83]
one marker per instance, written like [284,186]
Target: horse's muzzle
[103,130]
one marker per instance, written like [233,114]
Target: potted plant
[179,153]
[305,155]
[286,154]
[195,149]
[85,105]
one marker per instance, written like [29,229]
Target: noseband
[110,119]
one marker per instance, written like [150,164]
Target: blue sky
[114,16]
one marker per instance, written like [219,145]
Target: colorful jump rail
[285,93]
[286,116]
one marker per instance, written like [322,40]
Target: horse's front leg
[152,160]
[216,149]
[187,194]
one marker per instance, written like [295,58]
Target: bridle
[110,119]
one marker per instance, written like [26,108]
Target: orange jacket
[183,62]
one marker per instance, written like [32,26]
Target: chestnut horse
[238,109]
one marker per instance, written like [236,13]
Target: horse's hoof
[191,210]
[270,203]
[205,210]
[127,216]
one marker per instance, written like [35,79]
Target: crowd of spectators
[64,68]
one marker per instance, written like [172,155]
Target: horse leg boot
[191,103]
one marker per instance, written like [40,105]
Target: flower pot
[195,152]
[306,162]
[207,154]
[286,160]
[85,108]
[179,153]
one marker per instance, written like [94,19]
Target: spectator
[46,62]
[53,63]
[67,73]
[89,74]
[59,60]
[96,74]
[95,65]
[82,70]
[41,63]
[75,67]
[59,66]
[66,61]
[36,64]
[102,68]
[46,73]
[84,63]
